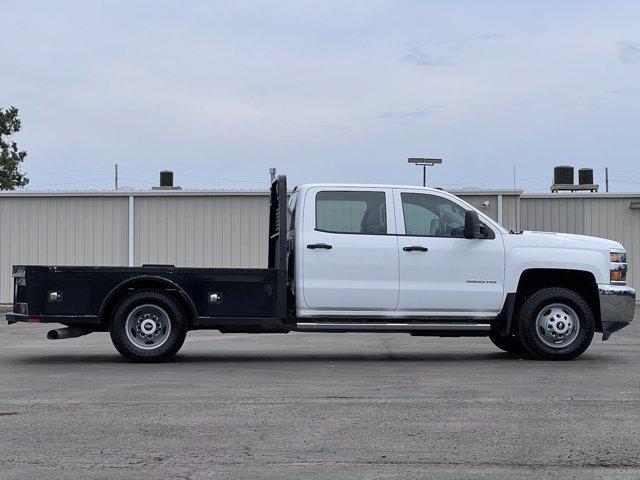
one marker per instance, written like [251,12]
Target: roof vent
[166,181]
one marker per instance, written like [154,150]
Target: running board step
[392,327]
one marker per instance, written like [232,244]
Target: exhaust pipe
[68,332]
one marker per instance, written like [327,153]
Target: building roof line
[130,193]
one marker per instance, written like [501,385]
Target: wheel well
[579,281]
[114,297]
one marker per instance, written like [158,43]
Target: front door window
[431,216]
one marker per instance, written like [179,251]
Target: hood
[569,240]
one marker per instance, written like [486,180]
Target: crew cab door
[441,272]
[349,250]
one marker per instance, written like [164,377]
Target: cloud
[466,40]
[405,117]
[417,113]
[416,56]
[489,36]
[330,127]
[629,53]
[622,91]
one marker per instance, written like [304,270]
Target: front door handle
[415,248]
[313,246]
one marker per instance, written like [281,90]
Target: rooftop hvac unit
[563,175]
[585,176]
[563,179]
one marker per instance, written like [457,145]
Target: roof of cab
[368,185]
[457,191]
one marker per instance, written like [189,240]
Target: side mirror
[473,227]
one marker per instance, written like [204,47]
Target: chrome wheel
[148,327]
[557,325]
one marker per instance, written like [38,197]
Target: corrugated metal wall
[202,231]
[601,216]
[511,212]
[60,231]
[230,230]
[477,201]
[510,205]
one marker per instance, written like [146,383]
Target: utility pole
[424,163]
[272,173]
[606,179]
[514,178]
[116,177]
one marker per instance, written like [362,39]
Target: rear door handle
[313,246]
[415,248]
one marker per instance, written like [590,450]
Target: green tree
[10,157]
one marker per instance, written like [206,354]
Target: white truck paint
[373,276]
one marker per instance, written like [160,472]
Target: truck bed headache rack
[278,223]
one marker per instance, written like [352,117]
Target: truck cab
[355,258]
[389,252]
[374,257]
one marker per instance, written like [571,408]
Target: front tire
[148,326]
[556,324]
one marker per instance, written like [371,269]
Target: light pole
[424,163]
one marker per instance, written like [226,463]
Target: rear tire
[148,326]
[510,344]
[556,324]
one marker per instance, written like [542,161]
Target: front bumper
[617,307]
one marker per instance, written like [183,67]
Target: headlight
[618,257]
[618,267]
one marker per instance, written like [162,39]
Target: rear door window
[361,212]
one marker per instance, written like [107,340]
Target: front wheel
[148,326]
[556,324]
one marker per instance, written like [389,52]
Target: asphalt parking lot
[356,406]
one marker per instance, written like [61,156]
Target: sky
[344,91]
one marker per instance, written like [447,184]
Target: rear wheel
[510,344]
[148,326]
[556,324]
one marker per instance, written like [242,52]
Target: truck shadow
[262,358]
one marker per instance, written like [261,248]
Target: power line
[77,170]
[624,181]
[628,171]
[68,171]
[484,182]
[197,176]
[134,180]
[69,183]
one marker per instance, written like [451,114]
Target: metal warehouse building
[229,228]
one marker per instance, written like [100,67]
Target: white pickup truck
[356,258]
